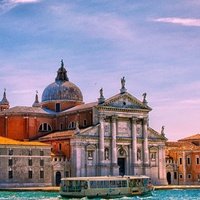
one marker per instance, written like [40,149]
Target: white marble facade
[120,142]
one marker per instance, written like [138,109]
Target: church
[109,137]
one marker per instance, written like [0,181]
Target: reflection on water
[156,195]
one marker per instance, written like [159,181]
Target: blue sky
[154,44]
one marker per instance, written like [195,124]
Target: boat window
[72,186]
[132,183]
[124,183]
[93,184]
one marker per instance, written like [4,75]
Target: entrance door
[121,163]
[169,178]
[58,178]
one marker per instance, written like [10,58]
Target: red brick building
[183,160]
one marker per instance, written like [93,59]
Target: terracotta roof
[27,110]
[81,107]
[58,135]
[193,137]
[8,141]
[181,146]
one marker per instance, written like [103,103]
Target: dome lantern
[62,74]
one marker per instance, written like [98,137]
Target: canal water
[157,195]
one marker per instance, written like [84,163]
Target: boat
[105,186]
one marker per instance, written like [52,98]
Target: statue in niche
[106,154]
[138,154]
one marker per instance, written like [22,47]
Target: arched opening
[169,178]
[58,178]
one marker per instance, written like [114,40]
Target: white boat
[105,186]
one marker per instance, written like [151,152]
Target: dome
[62,89]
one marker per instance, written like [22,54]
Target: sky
[154,44]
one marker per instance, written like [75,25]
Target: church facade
[108,137]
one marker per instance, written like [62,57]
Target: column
[145,143]
[134,143]
[161,166]
[115,170]
[101,138]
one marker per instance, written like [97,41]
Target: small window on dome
[57,107]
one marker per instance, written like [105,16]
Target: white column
[145,146]
[114,146]
[101,139]
[134,143]
[161,164]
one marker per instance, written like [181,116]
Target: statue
[123,82]
[123,89]
[162,130]
[144,96]
[101,93]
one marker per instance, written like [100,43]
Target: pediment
[152,134]
[125,100]
[90,131]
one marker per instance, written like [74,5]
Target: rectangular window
[197,160]
[10,174]
[41,153]
[57,107]
[30,152]
[41,174]
[10,152]
[175,175]
[180,176]
[188,161]
[60,146]
[66,174]
[189,176]
[84,122]
[41,163]
[30,174]
[61,126]
[29,162]
[10,162]
[180,161]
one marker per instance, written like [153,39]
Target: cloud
[99,25]
[180,21]
[7,5]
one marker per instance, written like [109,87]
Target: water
[157,195]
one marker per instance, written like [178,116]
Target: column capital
[114,118]
[134,119]
[101,116]
[145,120]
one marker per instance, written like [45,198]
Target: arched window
[45,127]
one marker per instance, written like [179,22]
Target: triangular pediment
[125,100]
[154,135]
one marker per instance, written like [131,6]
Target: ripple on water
[156,195]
